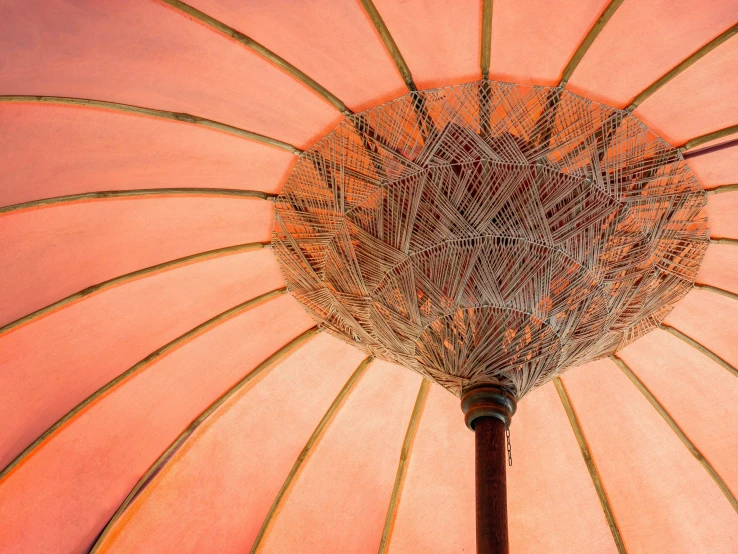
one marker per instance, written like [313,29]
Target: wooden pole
[489,436]
[488,410]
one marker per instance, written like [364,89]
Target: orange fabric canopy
[160,391]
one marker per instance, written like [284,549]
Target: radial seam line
[716,290]
[104,285]
[694,344]
[148,360]
[677,430]
[679,68]
[708,137]
[596,29]
[195,191]
[412,430]
[486,55]
[591,467]
[389,43]
[169,452]
[262,51]
[151,112]
[327,419]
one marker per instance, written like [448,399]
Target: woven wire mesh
[490,232]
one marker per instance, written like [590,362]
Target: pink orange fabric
[520,26]
[329,41]
[87,150]
[663,499]
[246,449]
[721,210]
[147,54]
[720,267]
[86,469]
[50,366]
[53,251]
[643,41]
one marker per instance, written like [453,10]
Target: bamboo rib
[169,452]
[707,352]
[711,149]
[708,137]
[596,29]
[722,188]
[412,430]
[150,112]
[163,351]
[135,193]
[717,290]
[733,242]
[679,68]
[677,430]
[110,283]
[389,43]
[591,467]
[262,51]
[486,38]
[314,438]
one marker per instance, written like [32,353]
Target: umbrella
[254,253]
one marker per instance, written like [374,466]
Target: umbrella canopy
[161,389]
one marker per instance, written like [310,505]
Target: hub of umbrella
[488,236]
[490,233]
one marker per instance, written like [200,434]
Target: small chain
[509,448]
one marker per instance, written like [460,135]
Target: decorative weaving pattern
[490,232]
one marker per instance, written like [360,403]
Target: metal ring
[487,401]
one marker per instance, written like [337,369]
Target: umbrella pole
[488,410]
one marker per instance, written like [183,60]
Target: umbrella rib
[706,351]
[122,279]
[710,149]
[591,467]
[166,456]
[262,51]
[412,430]
[195,191]
[596,29]
[708,137]
[151,112]
[389,43]
[722,188]
[679,68]
[327,419]
[733,242]
[486,54]
[677,430]
[716,290]
[163,351]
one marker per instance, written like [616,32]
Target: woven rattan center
[490,232]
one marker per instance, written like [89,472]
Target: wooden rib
[708,137]
[596,29]
[115,281]
[265,53]
[412,430]
[389,43]
[676,70]
[677,430]
[722,188]
[734,242]
[486,37]
[710,149]
[591,467]
[150,112]
[306,451]
[707,352]
[717,290]
[135,193]
[159,353]
[182,438]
